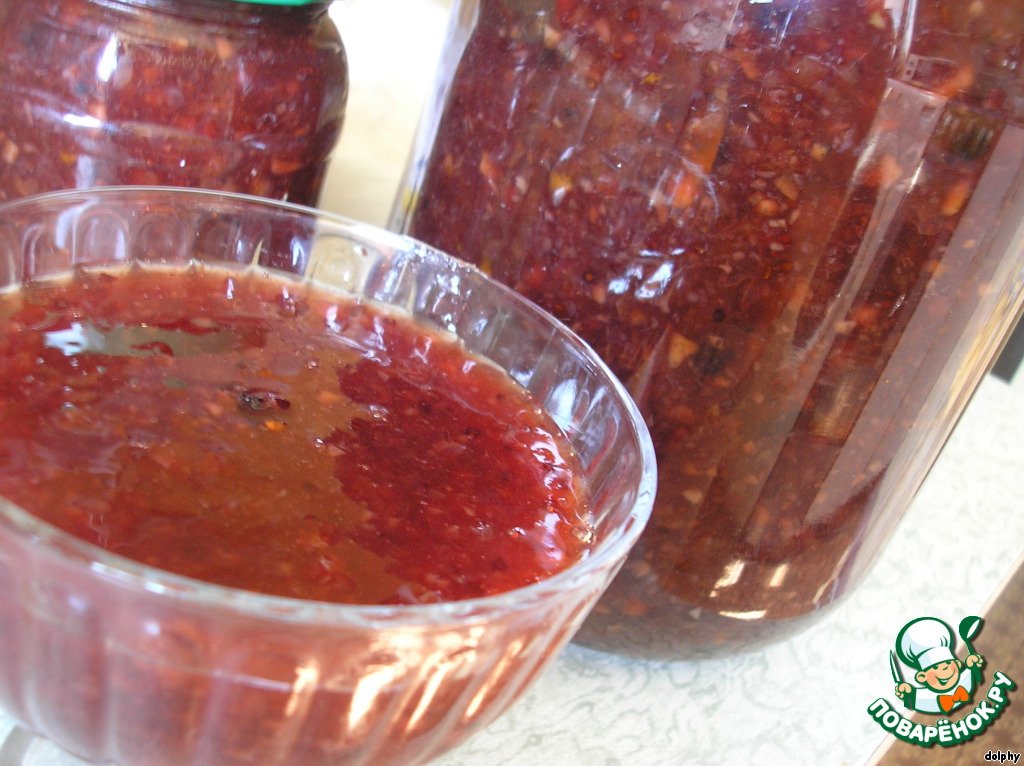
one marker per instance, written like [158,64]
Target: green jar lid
[285,2]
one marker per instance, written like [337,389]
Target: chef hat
[925,642]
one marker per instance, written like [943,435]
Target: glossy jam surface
[261,434]
[227,96]
[780,229]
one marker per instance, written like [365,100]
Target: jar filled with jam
[793,230]
[234,96]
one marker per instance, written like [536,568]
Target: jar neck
[225,11]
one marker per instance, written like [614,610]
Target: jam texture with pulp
[785,227]
[220,95]
[259,434]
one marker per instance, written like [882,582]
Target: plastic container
[120,662]
[243,97]
[793,229]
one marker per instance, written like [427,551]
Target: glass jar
[225,95]
[793,228]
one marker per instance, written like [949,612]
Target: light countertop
[803,701]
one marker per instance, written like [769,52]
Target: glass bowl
[116,661]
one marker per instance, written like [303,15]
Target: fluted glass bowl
[116,661]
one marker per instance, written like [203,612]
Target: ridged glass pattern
[118,662]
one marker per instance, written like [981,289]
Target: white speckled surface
[800,702]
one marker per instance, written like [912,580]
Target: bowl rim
[126,572]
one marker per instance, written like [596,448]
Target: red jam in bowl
[260,433]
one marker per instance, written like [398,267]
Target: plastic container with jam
[233,96]
[794,230]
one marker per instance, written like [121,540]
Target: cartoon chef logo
[944,682]
[931,679]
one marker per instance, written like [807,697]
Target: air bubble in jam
[289,306]
[255,401]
